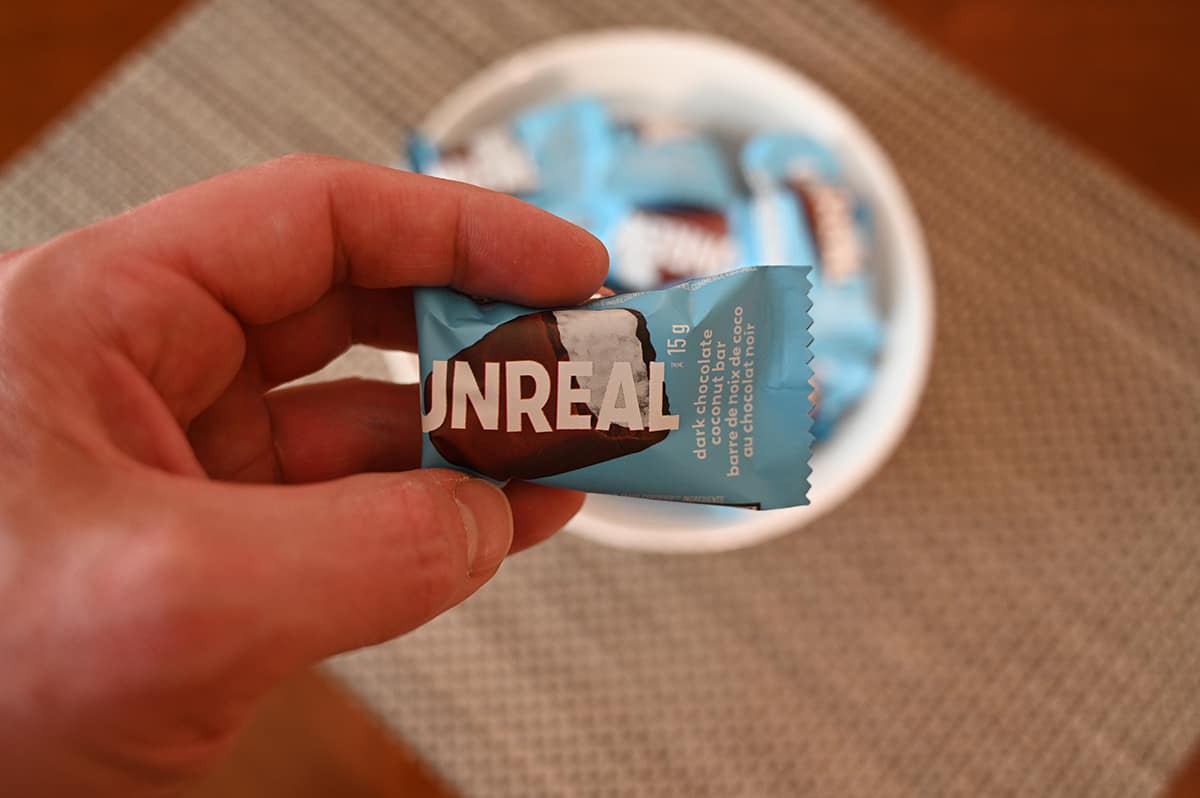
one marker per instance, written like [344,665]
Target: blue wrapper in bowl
[660,166]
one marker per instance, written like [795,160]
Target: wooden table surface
[1117,77]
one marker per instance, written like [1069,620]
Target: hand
[158,571]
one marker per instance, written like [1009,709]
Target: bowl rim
[902,372]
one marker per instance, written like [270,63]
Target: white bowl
[722,86]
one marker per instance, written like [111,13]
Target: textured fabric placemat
[1012,607]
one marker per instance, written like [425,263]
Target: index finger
[270,240]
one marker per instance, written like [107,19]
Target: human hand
[157,571]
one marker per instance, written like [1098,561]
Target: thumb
[339,565]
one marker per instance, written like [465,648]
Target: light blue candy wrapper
[772,229]
[847,329]
[571,143]
[683,171]
[422,153]
[699,392]
[775,156]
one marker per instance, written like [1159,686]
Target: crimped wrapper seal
[699,392]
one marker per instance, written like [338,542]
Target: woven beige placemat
[1011,608]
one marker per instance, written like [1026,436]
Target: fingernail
[487,520]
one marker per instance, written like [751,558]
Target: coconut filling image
[605,337]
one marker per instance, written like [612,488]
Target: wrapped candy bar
[493,159]
[830,211]
[845,320]
[802,211]
[671,187]
[795,165]
[698,392]
[773,156]
[840,382]
[660,165]
[545,153]
[652,247]
[773,229]
[572,145]
[847,332]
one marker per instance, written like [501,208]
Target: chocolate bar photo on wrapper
[552,410]
[699,392]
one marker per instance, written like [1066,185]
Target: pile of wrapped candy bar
[672,202]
